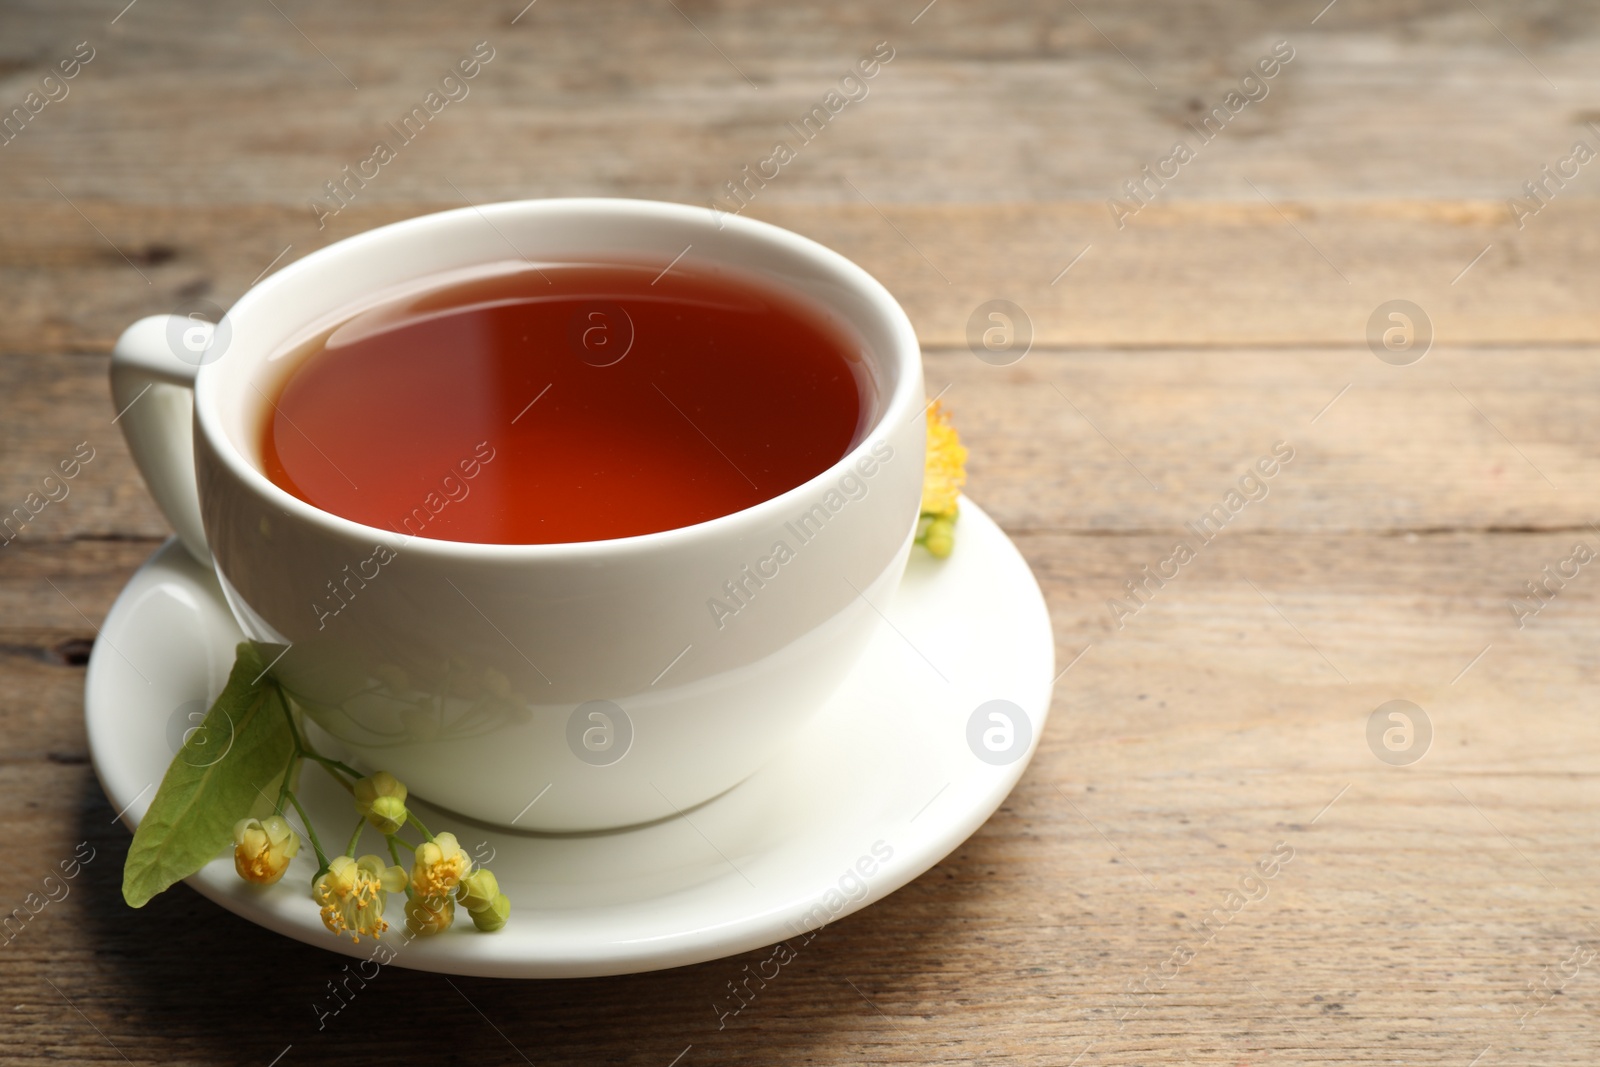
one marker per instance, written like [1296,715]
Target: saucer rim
[497,957]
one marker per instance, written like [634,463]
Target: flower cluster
[943,475]
[443,867]
[352,893]
[195,804]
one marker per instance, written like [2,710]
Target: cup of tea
[569,513]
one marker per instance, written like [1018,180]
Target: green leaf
[240,749]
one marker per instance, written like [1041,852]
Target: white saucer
[886,763]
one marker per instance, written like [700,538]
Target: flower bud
[388,814]
[494,916]
[262,848]
[381,798]
[426,916]
[940,537]
[478,890]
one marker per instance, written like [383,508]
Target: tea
[570,402]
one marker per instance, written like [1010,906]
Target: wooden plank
[1014,102]
[58,412]
[1182,750]
[1037,117]
[1065,441]
[1214,718]
[1116,441]
[1223,274]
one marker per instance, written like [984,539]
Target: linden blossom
[741,589]
[381,956]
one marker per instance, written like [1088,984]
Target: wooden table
[1438,911]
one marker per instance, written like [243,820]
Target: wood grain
[1198,273]
[1424,908]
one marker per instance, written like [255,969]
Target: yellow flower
[352,894]
[262,848]
[440,866]
[946,469]
[381,798]
[424,918]
[943,475]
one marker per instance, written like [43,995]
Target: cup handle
[153,389]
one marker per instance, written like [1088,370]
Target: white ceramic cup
[556,687]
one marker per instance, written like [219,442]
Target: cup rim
[899,406]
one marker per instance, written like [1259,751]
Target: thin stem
[355,838]
[294,731]
[411,817]
[394,854]
[288,780]
[333,764]
[304,747]
[311,832]
[329,765]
